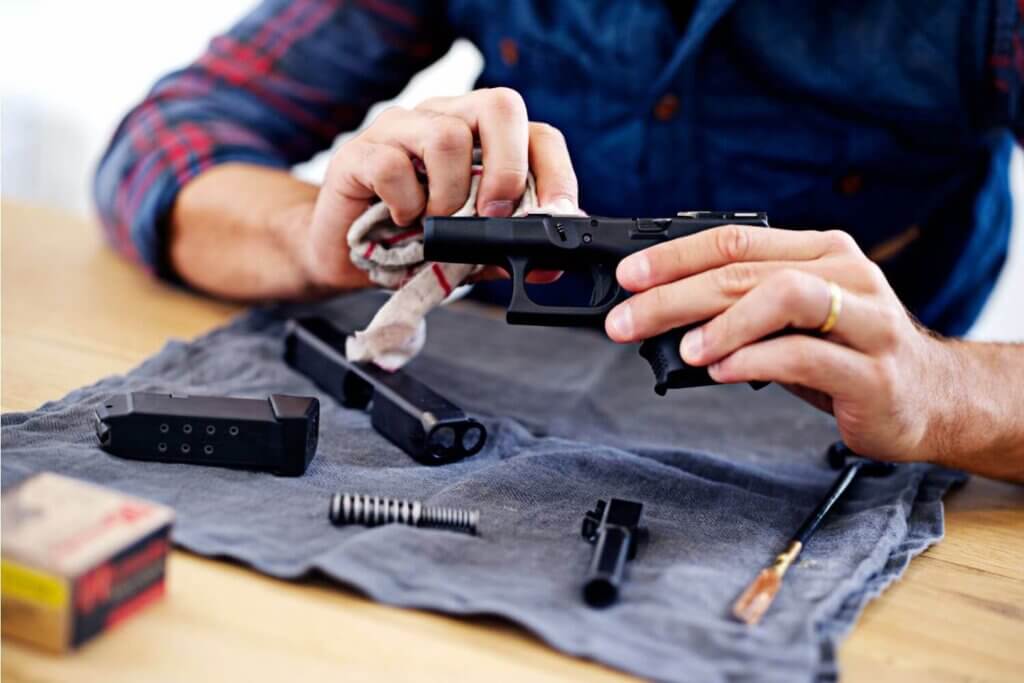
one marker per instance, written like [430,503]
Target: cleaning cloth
[392,255]
[726,474]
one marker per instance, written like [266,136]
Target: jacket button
[666,107]
[509,51]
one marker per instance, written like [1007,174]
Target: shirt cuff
[159,180]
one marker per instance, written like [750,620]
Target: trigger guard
[518,267]
[517,270]
[522,310]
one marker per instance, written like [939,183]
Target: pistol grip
[670,370]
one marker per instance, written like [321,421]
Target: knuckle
[450,136]
[793,366]
[841,242]
[386,165]
[346,165]
[506,177]
[547,132]
[722,329]
[886,378]
[667,259]
[431,103]
[507,102]
[390,115]
[562,184]
[802,362]
[340,159]
[736,278]
[889,325]
[659,303]
[874,276]
[792,288]
[732,242]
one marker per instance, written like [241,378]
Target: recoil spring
[348,508]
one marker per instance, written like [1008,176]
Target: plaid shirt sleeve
[273,90]
[1007,65]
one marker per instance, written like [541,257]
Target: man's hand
[441,132]
[251,233]
[896,390]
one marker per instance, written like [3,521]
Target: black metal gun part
[574,243]
[614,530]
[839,455]
[278,434]
[411,415]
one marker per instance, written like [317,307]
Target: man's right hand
[441,132]
[248,232]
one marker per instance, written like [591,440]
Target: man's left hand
[879,373]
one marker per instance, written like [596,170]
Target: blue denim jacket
[890,119]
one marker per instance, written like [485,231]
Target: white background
[71,68]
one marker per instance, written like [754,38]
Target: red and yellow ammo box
[77,559]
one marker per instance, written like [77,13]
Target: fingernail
[693,345]
[635,269]
[620,322]
[501,208]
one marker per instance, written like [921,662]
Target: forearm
[238,230]
[979,423]
[273,91]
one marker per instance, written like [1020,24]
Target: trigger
[604,280]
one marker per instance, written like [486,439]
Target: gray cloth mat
[726,473]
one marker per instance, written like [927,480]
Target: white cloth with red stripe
[393,258]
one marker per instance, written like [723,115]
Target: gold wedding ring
[835,306]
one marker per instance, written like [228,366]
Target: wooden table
[72,312]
